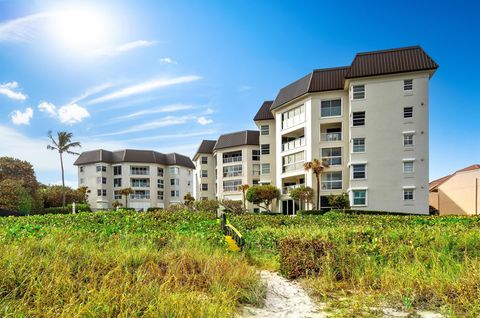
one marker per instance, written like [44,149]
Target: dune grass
[356,262]
[121,265]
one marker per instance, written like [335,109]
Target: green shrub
[339,201]
[311,212]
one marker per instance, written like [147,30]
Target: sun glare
[80,28]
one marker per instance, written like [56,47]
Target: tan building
[158,180]
[457,193]
[236,161]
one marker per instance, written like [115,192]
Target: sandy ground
[287,299]
[284,299]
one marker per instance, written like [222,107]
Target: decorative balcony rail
[331,136]
[287,189]
[232,159]
[294,144]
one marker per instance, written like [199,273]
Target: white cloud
[92,91]
[204,121]
[172,136]
[68,114]
[49,108]
[22,29]
[167,60]
[22,118]
[122,48]
[163,109]
[244,88]
[209,111]
[145,87]
[8,89]
[163,122]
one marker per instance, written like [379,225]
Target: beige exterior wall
[268,178]
[433,199]
[209,180]
[246,177]
[457,194]
[89,178]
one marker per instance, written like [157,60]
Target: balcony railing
[232,159]
[139,196]
[232,174]
[287,189]
[256,173]
[333,160]
[140,172]
[293,166]
[294,144]
[332,185]
[331,136]
[295,120]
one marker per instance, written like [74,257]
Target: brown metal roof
[400,60]
[321,80]
[246,137]
[206,147]
[132,155]
[264,113]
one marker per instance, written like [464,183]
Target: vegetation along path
[283,299]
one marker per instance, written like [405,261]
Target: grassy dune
[421,262]
[121,265]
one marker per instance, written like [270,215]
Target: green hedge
[311,212]
[352,211]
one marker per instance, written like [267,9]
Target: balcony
[293,144]
[232,174]
[331,136]
[293,166]
[286,189]
[232,159]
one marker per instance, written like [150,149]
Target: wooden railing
[230,230]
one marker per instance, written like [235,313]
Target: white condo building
[369,120]
[157,180]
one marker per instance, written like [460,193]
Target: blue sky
[164,75]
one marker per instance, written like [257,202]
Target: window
[408,140]
[160,183]
[174,170]
[101,192]
[235,156]
[204,173]
[256,155]
[264,130]
[256,169]
[174,182]
[358,91]
[331,108]
[358,145]
[293,162]
[408,167]
[408,85]
[117,170]
[265,149]
[408,112]
[117,195]
[231,185]
[332,180]
[256,210]
[204,186]
[293,117]
[359,171]
[333,156]
[358,119]
[159,172]
[101,168]
[101,180]
[408,194]
[204,160]
[265,168]
[189,172]
[160,195]
[139,170]
[232,171]
[359,197]
[82,180]
[117,182]
[175,193]
[140,183]
[256,182]
[81,169]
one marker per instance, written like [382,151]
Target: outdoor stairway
[232,236]
[232,245]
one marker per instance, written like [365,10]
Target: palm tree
[63,144]
[317,167]
[126,192]
[244,188]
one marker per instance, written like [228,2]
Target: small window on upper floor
[358,145]
[408,140]
[204,160]
[265,149]
[408,194]
[265,130]
[204,174]
[174,170]
[255,155]
[408,167]
[117,170]
[331,108]
[81,169]
[358,91]
[408,85]
[358,119]
[408,112]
